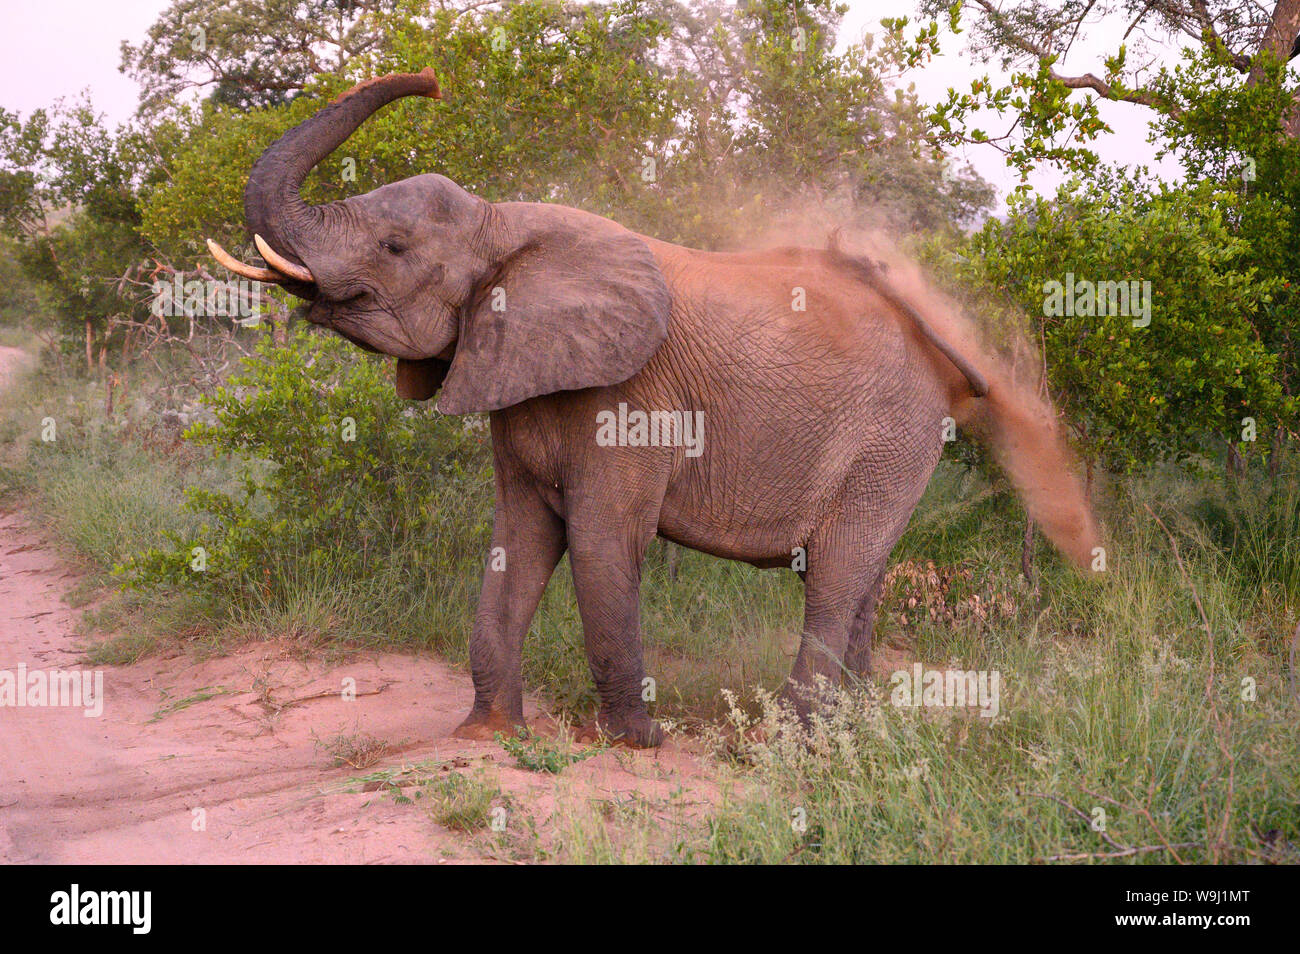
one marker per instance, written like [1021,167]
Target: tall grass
[1254,523]
[1121,735]
[1125,733]
[95,482]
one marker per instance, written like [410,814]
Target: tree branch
[1085,80]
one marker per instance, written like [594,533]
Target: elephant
[815,429]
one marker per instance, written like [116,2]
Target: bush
[337,474]
[1197,375]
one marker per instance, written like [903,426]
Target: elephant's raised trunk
[273,206]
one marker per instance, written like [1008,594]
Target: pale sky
[53,48]
[954,68]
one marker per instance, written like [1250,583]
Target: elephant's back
[801,375]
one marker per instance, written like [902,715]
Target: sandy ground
[225,760]
[11,359]
[222,760]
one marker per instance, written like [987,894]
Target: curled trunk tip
[273,206]
[423,83]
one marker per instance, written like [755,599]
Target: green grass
[458,801]
[99,482]
[199,695]
[1117,708]
[537,754]
[1105,703]
[17,336]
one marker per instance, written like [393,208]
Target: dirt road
[225,760]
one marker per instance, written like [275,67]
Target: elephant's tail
[871,273]
[1021,431]
[1014,422]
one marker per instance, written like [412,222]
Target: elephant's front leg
[527,542]
[606,563]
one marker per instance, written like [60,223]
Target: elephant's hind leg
[832,588]
[846,564]
[857,660]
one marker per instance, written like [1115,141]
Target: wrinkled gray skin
[821,427]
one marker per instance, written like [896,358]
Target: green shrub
[337,475]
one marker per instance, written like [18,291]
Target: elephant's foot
[636,731]
[483,726]
[797,699]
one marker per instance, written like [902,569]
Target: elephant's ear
[419,380]
[578,303]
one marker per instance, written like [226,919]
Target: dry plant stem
[1295,641]
[1126,853]
[268,703]
[1121,851]
[1145,812]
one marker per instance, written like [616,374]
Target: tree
[68,187]
[1213,78]
[778,124]
[22,212]
[248,53]
[1034,36]
[1178,363]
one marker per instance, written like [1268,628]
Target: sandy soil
[222,761]
[243,738]
[11,359]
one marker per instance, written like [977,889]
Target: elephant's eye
[392,247]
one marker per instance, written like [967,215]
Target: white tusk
[282,264]
[239,268]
